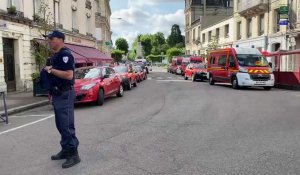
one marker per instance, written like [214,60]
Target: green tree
[146,41]
[174,52]
[117,55]
[213,44]
[39,51]
[122,44]
[175,37]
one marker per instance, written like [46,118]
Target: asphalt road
[165,126]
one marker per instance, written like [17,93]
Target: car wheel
[129,86]
[193,77]
[100,99]
[235,83]
[211,80]
[267,88]
[135,83]
[120,92]
[185,77]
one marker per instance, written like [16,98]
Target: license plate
[260,82]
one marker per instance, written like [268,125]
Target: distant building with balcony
[103,29]
[201,14]
[257,24]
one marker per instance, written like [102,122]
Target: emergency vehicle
[175,66]
[189,60]
[242,67]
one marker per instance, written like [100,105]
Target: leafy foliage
[117,55]
[41,51]
[175,37]
[174,52]
[122,44]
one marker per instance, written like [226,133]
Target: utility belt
[58,90]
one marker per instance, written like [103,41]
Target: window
[37,6]
[88,4]
[15,3]
[249,28]
[88,25]
[227,31]
[56,12]
[222,60]
[203,38]
[261,24]
[212,60]
[239,27]
[74,19]
[298,12]
[209,36]
[199,33]
[98,9]
[231,61]
[194,34]
[277,20]
[218,33]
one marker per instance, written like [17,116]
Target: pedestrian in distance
[61,73]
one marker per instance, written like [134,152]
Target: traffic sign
[284,10]
[284,22]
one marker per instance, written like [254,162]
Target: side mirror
[271,64]
[105,76]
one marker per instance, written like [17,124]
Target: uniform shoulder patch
[65,59]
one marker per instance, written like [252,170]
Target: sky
[145,16]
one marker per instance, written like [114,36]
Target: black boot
[63,154]
[72,160]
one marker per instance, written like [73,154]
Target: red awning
[84,54]
[89,53]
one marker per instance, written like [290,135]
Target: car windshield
[179,62]
[137,68]
[121,69]
[252,60]
[87,73]
[199,66]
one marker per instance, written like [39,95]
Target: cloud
[138,19]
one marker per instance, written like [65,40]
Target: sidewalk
[21,101]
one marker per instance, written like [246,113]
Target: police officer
[61,72]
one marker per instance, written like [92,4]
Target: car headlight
[88,87]
[243,69]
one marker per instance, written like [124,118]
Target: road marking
[149,78]
[174,81]
[28,124]
[159,78]
[21,116]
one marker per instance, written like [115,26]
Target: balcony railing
[251,7]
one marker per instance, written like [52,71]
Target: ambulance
[241,67]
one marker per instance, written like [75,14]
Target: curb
[25,107]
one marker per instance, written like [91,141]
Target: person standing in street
[61,72]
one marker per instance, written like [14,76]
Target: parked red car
[196,71]
[94,84]
[141,74]
[188,60]
[175,66]
[128,76]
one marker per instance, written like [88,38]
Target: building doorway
[9,64]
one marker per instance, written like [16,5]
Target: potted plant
[12,10]
[40,52]
[36,18]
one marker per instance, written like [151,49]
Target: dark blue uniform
[63,97]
